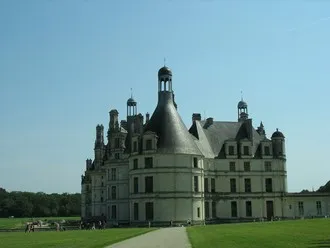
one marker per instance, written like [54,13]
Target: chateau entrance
[270,209]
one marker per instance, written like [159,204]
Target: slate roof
[211,138]
[173,135]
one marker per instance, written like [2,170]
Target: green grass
[69,239]
[286,234]
[10,223]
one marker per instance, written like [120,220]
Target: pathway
[169,237]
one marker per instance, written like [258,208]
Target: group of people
[29,227]
[93,225]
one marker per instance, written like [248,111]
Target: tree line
[28,204]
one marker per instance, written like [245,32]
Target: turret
[242,110]
[278,141]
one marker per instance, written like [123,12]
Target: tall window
[232,166]
[231,150]
[301,208]
[196,183]
[207,210]
[233,209]
[268,166]
[248,209]
[113,192]
[116,142]
[135,164]
[148,144]
[198,212]
[136,185]
[247,184]
[117,156]
[213,185]
[214,209]
[232,185]
[136,211]
[206,185]
[195,162]
[247,166]
[269,185]
[245,150]
[113,174]
[318,208]
[113,212]
[149,210]
[267,151]
[149,184]
[148,162]
[135,146]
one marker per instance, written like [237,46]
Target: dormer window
[195,162]
[231,150]
[148,144]
[267,150]
[245,150]
[116,142]
[135,146]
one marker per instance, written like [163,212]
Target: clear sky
[65,64]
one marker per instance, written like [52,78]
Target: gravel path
[170,237]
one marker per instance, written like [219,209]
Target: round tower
[278,141]
[164,79]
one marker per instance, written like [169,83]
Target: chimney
[196,117]
[123,124]
[209,122]
[147,117]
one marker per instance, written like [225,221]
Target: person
[27,227]
[171,223]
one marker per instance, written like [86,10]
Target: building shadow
[320,244]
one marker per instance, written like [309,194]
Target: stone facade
[157,170]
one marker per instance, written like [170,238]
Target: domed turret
[242,110]
[131,106]
[241,104]
[164,71]
[278,144]
[131,102]
[278,134]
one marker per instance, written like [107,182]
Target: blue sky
[65,64]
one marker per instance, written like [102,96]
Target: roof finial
[164,61]
[131,93]
[241,95]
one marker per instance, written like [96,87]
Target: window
[195,163]
[113,174]
[148,144]
[135,164]
[102,184]
[149,184]
[198,212]
[195,183]
[269,185]
[113,192]
[233,185]
[233,209]
[135,146]
[318,208]
[214,209]
[231,150]
[301,208]
[136,211]
[116,142]
[267,150]
[268,166]
[113,212]
[149,210]
[207,210]
[247,166]
[117,156]
[213,185]
[247,184]
[136,185]
[101,198]
[232,166]
[245,150]
[206,185]
[148,162]
[248,209]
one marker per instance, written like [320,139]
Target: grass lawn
[9,223]
[286,234]
[69,239]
